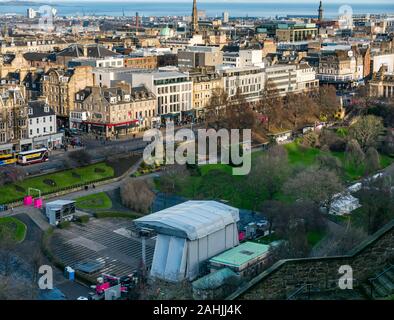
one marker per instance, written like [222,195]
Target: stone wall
[285,276]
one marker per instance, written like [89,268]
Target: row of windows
[44,130]
[44,119]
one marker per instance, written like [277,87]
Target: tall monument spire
[194,18]
[320,12]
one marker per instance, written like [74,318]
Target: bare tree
[11,174]
[372,160]
[272,211]
[314,184]
[80,157]
[330,162]
[214,112]
[269,172]
[137,195]
[377,205]
[366,131]
[327,101]
[354,154]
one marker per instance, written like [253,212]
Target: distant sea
[237,9]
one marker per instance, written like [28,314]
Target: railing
[372,280]
[306,288]
[309,288]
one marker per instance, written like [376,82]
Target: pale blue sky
[238,1]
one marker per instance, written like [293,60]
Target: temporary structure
[189,234]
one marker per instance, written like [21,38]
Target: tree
[330,162]
[271,105]
[366,131]
[137,195]
[239,114]
[314,184]
[272,211]
[372,161]
[216,108]
[334,142]
[80,157]
[269,172]
[354,154]
[11,174]
[328,102]
[300,109]
[377,205]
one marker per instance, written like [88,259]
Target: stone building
[382,84]
[12,63]
[145,62]
[205,83]
[200,56]
[60,85]
[83,51]
[13,120]
[113,111]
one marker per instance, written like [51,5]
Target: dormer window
[46,109]
[30,111]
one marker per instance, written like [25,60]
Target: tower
[194,27]
[320,12]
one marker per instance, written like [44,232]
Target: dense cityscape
[196,157]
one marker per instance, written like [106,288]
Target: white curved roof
[196,219]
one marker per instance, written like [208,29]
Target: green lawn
[217,183]
[94,201]
[15,226]
[308,156]
[63,179]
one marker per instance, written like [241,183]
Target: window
[38,120]
[38,130]
[45,129]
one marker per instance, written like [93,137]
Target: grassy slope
[216,181]
[94,201]
[63,179]
[18,226]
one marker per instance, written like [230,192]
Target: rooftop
[241,254]
[191,219]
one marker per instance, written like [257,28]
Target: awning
[6,146]
[110,125]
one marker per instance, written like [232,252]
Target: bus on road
[8,158]
[33,156]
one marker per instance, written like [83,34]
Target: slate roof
[39,109]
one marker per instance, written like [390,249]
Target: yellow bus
[8,158]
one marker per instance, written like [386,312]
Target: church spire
[320,12]
[194,18]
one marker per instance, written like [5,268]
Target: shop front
[109,130]
[52,141]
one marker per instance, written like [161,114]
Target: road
[98,150]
